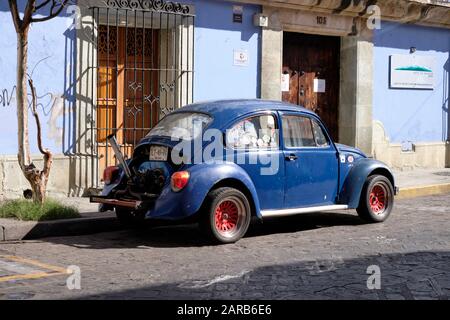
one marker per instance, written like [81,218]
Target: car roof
[224,111]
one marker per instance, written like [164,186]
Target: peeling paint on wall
[55,131]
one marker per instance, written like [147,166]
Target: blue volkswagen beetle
[223,162]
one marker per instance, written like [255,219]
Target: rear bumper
[167,205]
[123,203]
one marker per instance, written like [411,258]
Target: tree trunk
[39,188]
[37,178]
[22,101]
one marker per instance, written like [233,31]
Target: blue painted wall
[412,115]
[52,43]
[49,57]
[216,36]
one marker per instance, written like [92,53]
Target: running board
[294,211]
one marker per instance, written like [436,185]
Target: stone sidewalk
[422,182]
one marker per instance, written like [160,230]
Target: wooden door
[309,60]
[127,88]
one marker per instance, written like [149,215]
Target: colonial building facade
[377,72]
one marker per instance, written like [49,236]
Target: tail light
[179,180]
[110,174]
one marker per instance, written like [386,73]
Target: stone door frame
[356,66]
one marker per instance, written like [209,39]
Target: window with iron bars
[141,69]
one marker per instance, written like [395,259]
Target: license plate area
[158,153]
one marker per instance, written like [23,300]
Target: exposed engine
[145,179]
[148,180]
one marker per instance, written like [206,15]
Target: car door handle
[291,157]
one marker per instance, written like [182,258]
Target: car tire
[226,215]
[376,200]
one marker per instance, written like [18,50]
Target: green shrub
[28,210]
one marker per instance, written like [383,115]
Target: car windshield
[182,125]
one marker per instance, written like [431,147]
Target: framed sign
[240,58]
[411,71]
[237,13]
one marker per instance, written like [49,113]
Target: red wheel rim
[378,199]
[226,216]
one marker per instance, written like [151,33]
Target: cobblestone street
[311,256]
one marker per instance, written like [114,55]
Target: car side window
[298,132]
[319,135]
[258,132]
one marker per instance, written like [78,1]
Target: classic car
[224,162]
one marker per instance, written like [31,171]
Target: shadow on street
[416,275]
[168,235]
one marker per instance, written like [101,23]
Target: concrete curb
[25,230]
[412,192]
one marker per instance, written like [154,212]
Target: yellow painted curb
[412,192]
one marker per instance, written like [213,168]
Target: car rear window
[181,125]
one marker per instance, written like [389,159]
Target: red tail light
[179,180]
[110,174]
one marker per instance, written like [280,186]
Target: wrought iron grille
[143,69]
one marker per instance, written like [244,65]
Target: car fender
[203,178]
[354,182]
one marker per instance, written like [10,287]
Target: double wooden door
[311,65]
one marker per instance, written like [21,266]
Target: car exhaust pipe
[119,156]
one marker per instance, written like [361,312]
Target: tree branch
[48,156]
[52,14]
[28,12]
[15,14]
[43,4]
[36,117]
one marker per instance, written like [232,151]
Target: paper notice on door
[285,82]
[319,85]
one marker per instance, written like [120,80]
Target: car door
[254,144]
[311,162]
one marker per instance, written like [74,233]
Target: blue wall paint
[414,115]
[49,57]
[216,36]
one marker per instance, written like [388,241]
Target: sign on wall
[319,85]
[285,79]
[240,58]
[412,71]
[237,13]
